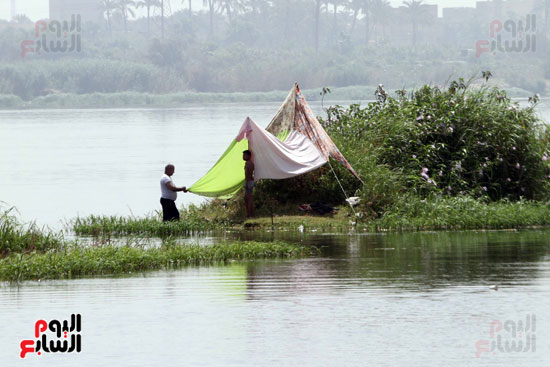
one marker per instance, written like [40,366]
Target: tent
[292,144]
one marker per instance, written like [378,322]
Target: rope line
[344,191]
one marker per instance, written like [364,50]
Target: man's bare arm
[171,186]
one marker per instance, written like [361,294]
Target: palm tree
[417,12]
[125,7]
[148,4]
[317,20]
[366,6]
[380,10]
[108,6]
[211,4]
[355,7]
[230,6]
[335,4]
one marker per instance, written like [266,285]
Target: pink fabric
[295,114]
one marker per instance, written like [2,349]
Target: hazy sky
[37,9]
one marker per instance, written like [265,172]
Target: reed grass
[147,226]
[28,253]
[17,238]
[75,261]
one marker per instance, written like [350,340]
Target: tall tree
[211,4]
[335,5]
[148,4]
[108,7]
[125,8]
[355,7]
[416,12]
[162,19]
[380,10]
[230,6]
[366,6]
[317,21]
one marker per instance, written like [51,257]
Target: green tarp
[226,178]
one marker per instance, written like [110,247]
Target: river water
[417,299]
[382,300]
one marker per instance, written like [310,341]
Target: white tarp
[275,159]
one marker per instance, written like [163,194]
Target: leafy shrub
[455,140]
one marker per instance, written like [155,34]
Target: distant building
[501,8]
[432,12]
[458,15]
[89,10]
[490,8]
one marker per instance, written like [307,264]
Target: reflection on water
[426,260]
[386,300]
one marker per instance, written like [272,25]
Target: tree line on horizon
[339,17]
[260,45]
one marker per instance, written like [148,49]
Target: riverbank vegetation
[409,213]
[28,253]
[75,261]
[149,100]
[192,221]
[435,143]
[15,238]
[438,212]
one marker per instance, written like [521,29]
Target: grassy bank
[440,213]
[97,226]
[414,214]
[28,253]
[110,260]
[139,99]
[408,214]
[149,100]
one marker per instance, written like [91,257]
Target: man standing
[248,183]
[169,194]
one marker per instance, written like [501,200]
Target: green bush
[37,78]
[456,141]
